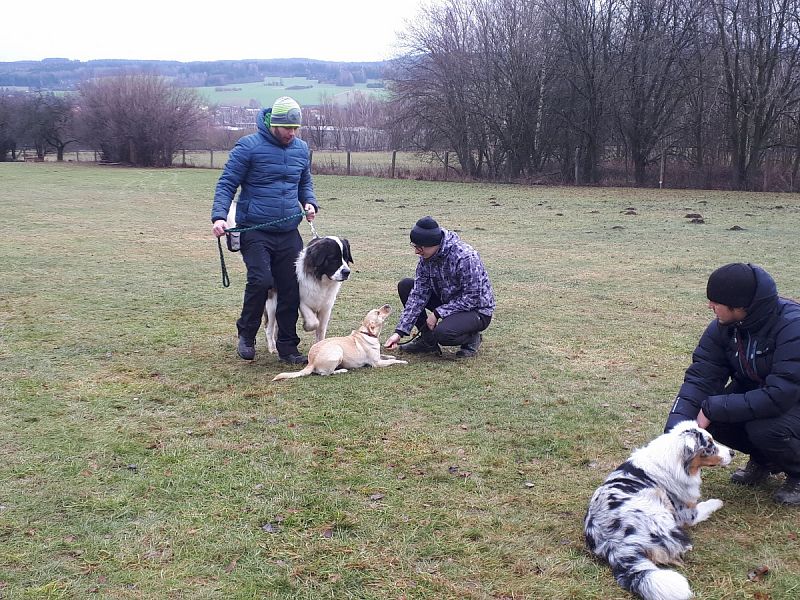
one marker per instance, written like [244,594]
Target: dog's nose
[345,273]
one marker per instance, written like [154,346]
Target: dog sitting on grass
[359,349]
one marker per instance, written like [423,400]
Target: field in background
[307,92]
[376,164]
[139,458]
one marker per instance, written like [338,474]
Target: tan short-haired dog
[359,349]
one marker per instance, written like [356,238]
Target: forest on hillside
[65,74]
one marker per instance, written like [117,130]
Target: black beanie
[733,285]
[426,233]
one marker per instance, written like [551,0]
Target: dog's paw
[705,509]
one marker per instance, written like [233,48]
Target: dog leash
[314,233]
[226,280]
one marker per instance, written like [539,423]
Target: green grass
[240,94]
[139,458]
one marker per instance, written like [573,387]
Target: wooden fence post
[212,158]
[394,158]
[663,166]
[348,162]
[184,158]
[446,164]
[577,163]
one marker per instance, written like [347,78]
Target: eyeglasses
[417,248]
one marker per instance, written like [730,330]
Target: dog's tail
[640,576]
[291,375]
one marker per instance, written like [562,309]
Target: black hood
[765,301]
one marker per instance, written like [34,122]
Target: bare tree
[55,122]
[760,52]
[651,37]
[139,119]
[586,74]
[432,85]
[10,109]
[513,71]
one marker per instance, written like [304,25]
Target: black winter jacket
[747,370]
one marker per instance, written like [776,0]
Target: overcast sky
[338,30]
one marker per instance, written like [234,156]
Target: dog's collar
[367,333]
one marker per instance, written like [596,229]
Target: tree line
[138,119]
[145,120]
[520,87]
[556,90]
[59,74]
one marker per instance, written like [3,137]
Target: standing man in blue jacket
[743,385]
[273,170]
[450,299]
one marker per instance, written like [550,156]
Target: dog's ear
[696,443]
[346,254]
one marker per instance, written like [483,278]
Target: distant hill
[66,74]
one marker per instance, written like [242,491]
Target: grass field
[139,458]
[308,92]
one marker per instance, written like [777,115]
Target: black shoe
[246,349]
[752,474]
[421,345]
[789,492]
[470,349]
[294,359]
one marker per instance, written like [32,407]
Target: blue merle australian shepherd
[636,518]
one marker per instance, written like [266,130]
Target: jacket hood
[449,239]
[765,300]
[261,124]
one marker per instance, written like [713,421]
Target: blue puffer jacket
[274,180]
[747,370]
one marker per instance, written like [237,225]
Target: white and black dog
[321,268]
[636,518]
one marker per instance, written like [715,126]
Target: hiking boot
[295,358]
[789,492]
[246,349]
[470,349]
[420,345]
[752,474]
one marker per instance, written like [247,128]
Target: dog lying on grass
[636,518]
[359,349]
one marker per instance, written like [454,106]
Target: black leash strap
[226,281]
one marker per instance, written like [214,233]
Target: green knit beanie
[285,113]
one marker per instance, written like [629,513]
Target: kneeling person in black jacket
[743,385]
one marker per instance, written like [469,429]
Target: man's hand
[702,420]
[391,342]
[311,212]
[432,321]
[219,227]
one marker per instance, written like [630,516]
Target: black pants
[453,330]
[270,257]
[770,442]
